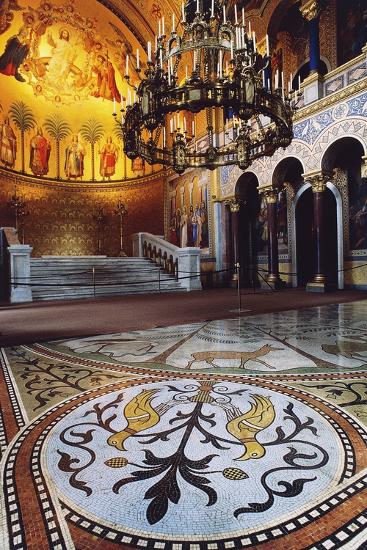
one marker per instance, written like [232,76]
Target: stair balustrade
[183,263]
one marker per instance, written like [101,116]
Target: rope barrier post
[239,296]
[94,280]
[238,286]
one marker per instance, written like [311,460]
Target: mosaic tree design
[24,120]
[92,131]
[58,129]
[196,410]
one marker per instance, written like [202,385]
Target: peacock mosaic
[236,433]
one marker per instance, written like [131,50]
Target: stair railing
[182,263]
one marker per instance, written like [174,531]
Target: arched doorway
[288,172]
[305,249]
[344,157]
[247,193]
[305,238]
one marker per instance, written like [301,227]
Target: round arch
[341,152]
[246,191]
[350,128]
[289,169]
[340,233]
[298,150]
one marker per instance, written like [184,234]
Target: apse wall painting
[188,213]
[59,64]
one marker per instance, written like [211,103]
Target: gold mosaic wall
[61,219]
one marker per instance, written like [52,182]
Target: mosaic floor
[243,433]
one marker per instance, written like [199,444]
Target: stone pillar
[310,10]
[189,268]
[219,237]
[273,258]
[20,273]
[235,214]
[313,84]
[318,182]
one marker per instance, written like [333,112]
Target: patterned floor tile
[241,433]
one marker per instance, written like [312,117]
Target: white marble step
[65,277]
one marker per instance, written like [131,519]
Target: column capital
[234,205]
[364,167]
[310,9]
[271,196]
[318,180]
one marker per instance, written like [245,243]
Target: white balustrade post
[137,240]
[20,273]
[189,268]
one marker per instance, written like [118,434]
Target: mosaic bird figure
[246,426]
[140,416]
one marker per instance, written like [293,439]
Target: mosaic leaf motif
[72,465]
[168,472]
[45,381]
[166,489]
[317,458]
[350,393]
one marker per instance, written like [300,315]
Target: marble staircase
[73,277]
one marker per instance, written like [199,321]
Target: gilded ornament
[310,10]
[234,205]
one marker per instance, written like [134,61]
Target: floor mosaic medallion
[245,433]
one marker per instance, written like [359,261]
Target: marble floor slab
[248,432]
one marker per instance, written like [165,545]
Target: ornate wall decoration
[55,55]
[188,210]
[61,221]
[340,180]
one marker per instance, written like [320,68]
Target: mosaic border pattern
[54,533]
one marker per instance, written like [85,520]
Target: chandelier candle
[223,73]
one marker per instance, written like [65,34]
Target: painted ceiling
[64,62]
[62,73]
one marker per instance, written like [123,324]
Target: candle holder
[18,205]
[121,211]
[100,220]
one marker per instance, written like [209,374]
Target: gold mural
[62,219]
[62,67]
[188,211]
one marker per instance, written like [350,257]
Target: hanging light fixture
[213,66]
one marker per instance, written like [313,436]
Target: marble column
[235,215]
[311,11]
[273,257]
[318,183]
[313,84]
